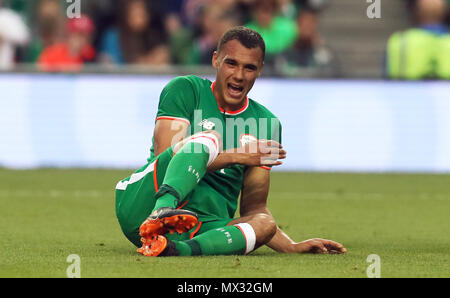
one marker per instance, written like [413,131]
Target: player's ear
[215,61]
[261,68]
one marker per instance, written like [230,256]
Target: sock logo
[227,234]
[230,240]
[194,172]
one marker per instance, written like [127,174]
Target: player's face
[237,69]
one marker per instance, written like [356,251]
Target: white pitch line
[55,193]
[359,195]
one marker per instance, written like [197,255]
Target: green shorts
[135,199]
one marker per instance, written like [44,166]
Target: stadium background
[326,79]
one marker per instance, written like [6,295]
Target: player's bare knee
[264,226]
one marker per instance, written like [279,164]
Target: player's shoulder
[191,81]
[261,110]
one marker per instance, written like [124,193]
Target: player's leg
[187,166]
[135,196]
[239,236]
[263,225]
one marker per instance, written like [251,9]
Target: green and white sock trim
[210,141]
[250,236]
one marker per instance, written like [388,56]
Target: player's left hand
[319,245]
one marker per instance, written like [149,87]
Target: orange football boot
[157,245]
[167,220]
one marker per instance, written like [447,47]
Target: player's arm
[254,195]
[261,153]
[176,104]
[254,200]
[167,133]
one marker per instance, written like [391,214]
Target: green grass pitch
[49,214]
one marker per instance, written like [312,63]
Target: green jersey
[191,99]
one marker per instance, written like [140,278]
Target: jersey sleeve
[177,100]
[275,134]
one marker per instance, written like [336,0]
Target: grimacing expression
[237,69]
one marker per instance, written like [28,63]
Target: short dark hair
[247,37]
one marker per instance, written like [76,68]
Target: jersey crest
[206,124]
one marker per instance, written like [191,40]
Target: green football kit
[215,196]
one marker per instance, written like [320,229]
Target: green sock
[183,173]
[228,240]
[166,200]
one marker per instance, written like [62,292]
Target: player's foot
[168,220]
[158,245]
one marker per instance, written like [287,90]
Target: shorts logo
[206,124]
[247,139]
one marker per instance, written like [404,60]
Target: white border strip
[207,140]
[250,236]
[173,118]
[122,185]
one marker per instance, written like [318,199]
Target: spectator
[309,49]
[103,14]
[74,52]
[447,14]
[191,11]
[139,38]
[49,21]
[180,36]
[21,7]
[278,32]
[216,20]
[422,52]
[245,8]
[13,34]
[180,39]
[288,8]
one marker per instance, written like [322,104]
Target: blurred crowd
[151,32]
[423,51]
[155,33]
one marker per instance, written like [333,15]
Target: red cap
[83,24]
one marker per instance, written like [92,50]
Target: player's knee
[212,132]
[209,139]
[212,140]
[214,135]
[264,226]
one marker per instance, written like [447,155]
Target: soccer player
[211,143]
